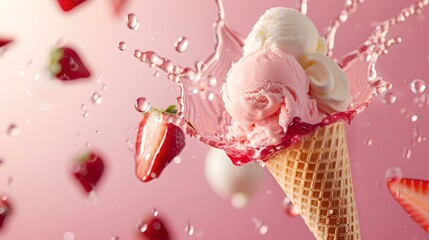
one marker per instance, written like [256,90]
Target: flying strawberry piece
[5,209]
[413,195]
[88,169]
[66,65]
[68,5]
[158,142]
[118,6]
[153,229]
[4,42]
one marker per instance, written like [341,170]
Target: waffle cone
[315,174]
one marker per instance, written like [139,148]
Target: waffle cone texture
[315,174]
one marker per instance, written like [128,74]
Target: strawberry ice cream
[264,91]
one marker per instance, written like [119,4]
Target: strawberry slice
[4,42]
[153,228]
[88,169]
[413,195]
[66,65]
[118,6]
[158,142]
[5,209]
[68,5]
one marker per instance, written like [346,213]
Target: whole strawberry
[5,209]
[66,65]
[153,228]
[88,169]
[158,142]
[68,5]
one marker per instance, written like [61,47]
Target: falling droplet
[181,44]
[260,226]
[132,21]
[407,153]
[288,207]
[12,130]
[189,229]
[96,98]
[68,236]
[394,172]
[85,114]
[156,74]
[83,107]
[389,97]
[142,105]
[155,212]
[368,141]
[177,160]
[115,238]
[418,86]
[122,46]
[239,200]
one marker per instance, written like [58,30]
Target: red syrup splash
[202,113]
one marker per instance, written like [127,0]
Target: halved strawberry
[88,169]
[67,65]
[158,142]
[118,6]
[153,228]
[68,5]
[413,195]
[4,41]
[5,209]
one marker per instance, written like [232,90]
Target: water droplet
[122,46]
[155,212]
[181,44]
[418,86]
[239,200]
[129,144]
[422,100]
[368,141]
[103,87]
[331,211]
[96,98]
[260,226]
[394,172]
[12,130]
[414,118]
[142,105]
[83,106]
[132,21]
[189,229]
[85,114]
[156,74]
[137,54]
[115,238]
[97,131]
[177,160]
[389,97]
[288,207]
[407,153]
[68,236]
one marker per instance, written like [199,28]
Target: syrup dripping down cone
[315,174]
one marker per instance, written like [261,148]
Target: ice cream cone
[315,174]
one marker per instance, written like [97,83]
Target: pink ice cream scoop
[263,92]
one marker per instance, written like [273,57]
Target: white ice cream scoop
[237,183]
[286,29]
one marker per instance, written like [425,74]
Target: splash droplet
[115,238]
[189,229]
[260,226]
[418,86]
[368,141]
[96,98]
[68,236]
[122,46]
[407,153]
[239,200]
[177,160]
[288,207]
[142,105]
[85,114]
[12,130]
[132,21]
[389,97]
[181,44]
[394,172]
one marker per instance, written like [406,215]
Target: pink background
[48,202]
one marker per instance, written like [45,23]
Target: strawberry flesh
[66,65]
[88,170]
[158,142]
[5,209]
[4,42]
[413,196]
[154,229]
[68,5]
